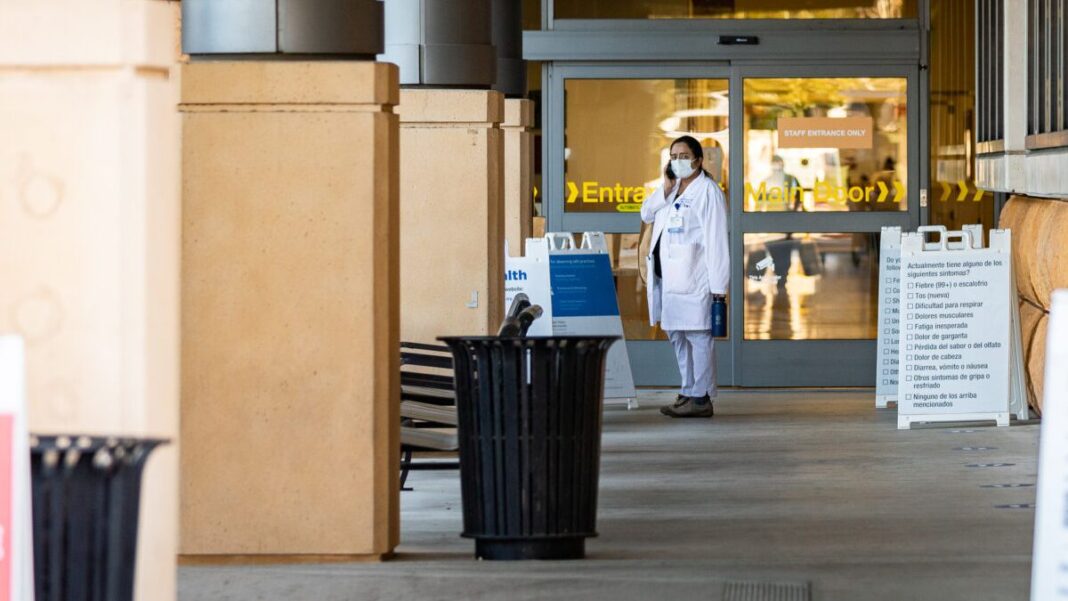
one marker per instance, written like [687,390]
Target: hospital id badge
[676,224]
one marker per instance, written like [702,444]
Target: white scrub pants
[694,350]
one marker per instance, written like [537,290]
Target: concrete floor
[802,488]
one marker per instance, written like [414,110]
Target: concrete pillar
[507,25]
[266,28]
[452,214]
[89,233]
[518,171]
[289,311]
[440,42]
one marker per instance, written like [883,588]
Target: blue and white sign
[576,290]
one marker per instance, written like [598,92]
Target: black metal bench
[428,395]
[427,407]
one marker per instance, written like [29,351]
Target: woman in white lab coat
[688,265]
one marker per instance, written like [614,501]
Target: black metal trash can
[86,504]
[529,413]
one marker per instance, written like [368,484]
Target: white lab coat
[695,263]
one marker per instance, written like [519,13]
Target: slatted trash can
[529,413]
[86,503]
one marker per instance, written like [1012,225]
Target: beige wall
[289,310]
[89,237]
[518,172]
[452,215]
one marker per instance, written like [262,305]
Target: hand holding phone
[669,178]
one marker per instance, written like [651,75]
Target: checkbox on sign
[908,347]
[908,397]
[886,362]
[910,336]
[911,285]
[908,378]
[910,305]
[912,295]
[911,325]
[886,372]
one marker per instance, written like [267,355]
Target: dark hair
[695,148]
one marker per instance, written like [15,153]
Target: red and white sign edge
[16,544]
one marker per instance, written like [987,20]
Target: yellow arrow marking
[883,191]
[963,190]
[946,189]
[572,192]
[900,191]
[978,194]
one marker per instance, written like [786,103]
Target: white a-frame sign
[1049,579]
[576,290]
[957,339]
[887,364]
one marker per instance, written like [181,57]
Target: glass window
[829,144]
[628,264]
[734,9]
[617,131]
[811,286]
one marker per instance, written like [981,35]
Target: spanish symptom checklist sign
[955,342]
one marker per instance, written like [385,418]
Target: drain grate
[766,591]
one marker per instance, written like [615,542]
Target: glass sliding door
[616,125]
[814,160]
[828,156]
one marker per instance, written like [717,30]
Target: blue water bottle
[719,316]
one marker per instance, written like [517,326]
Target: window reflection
[627,252]
[616,134]
[826,144]
[811,286]
[734,9]
[617,131]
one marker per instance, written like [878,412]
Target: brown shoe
[679,400]
[689,408]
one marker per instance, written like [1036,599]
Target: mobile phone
[669,172]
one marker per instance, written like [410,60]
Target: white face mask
[683,168]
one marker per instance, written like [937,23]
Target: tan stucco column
[518,170]
[289,311]
[89,233]
[452,217]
